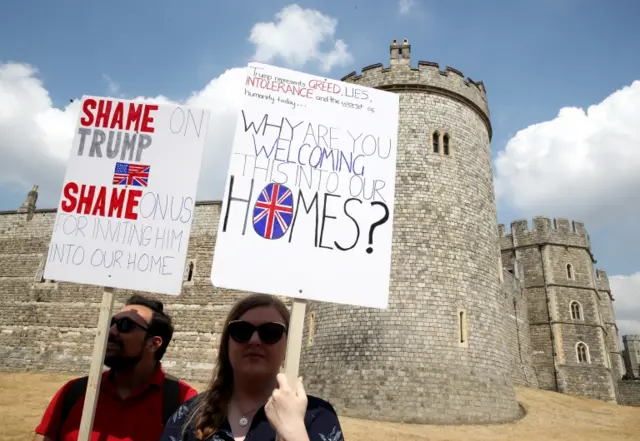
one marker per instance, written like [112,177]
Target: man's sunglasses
[270,333]
[126,324]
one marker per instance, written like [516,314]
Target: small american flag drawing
[131,174]
[273,211]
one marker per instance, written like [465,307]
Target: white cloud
[626,294]
[582,164]
[405,6]
[296,36]
[35,137]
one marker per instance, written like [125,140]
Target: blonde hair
[211,410]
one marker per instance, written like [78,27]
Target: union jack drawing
[131,174]
[273,211]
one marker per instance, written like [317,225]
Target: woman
[248,398]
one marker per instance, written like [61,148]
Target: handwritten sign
[128,196]
[308,204]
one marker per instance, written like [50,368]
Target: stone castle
[473,310]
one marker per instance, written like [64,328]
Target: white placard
[308,205]
[128,197]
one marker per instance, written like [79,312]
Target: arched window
[576,311]
[436,142]
[445,144]
[569,271]
[582,353]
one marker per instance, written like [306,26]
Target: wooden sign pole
[294,344]
[294,341]
[97,361]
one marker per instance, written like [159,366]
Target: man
[135,396]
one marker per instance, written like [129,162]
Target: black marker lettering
[325,216]
[355,223]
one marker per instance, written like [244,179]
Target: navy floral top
[320,420]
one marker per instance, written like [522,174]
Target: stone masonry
[632,355]
[629,393]
[473,311]
[574,337]
[438,354]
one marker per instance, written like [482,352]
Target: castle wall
[452,342]
[629,393]
[50,326]
[612,335]
[541,337]
[632,354]
[609,320]
[518,336]
[381,363]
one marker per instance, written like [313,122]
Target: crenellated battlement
[544,230]
[631,338]
[429,70]
[602,280]
[427,76]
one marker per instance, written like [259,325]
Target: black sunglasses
[126,324]
[270,333]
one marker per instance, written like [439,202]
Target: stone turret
[400,53]
[438,354]
[29,204]
[574,336]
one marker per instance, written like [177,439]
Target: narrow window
[39,277]
[582,352]
[188,272]
[312,328]
[463,336]
[436,142]
[569,271]
[445,144]
[576,311]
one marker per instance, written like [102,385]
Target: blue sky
[534,58]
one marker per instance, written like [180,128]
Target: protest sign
[309,199]
[126,209]
[128,196]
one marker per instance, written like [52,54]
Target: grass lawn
[550,416]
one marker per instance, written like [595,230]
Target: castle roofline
[53,210]
[427,77]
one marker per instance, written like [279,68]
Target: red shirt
[135,418]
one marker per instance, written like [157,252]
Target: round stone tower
[438,354]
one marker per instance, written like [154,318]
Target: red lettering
[118,114]
[102,116]
[86,200]
[132,202]
[100,203]
[325,86]
[135,111]
[113,114]
[88,105]
[147,119]
[98,208]
[117,202]
[69,197]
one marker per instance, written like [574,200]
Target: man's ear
[155,342]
